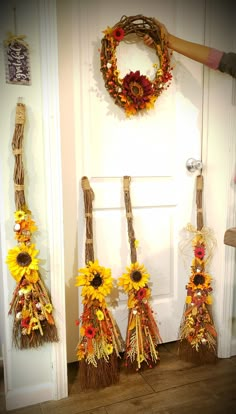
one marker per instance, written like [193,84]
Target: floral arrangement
[135,92]
[143,335]
[98,331]
[31,305]
[198,336]
[100,342]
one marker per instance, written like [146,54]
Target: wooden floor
[173,387]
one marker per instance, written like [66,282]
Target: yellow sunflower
[109,349]
[135,278]
[100,315]
[19,215]
[96,281]
[199,280]
[21,260]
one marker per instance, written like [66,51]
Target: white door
[151,148]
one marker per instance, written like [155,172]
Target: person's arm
[200,53]
[193,51]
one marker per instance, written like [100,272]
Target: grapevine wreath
[134,92]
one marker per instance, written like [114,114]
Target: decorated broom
[143,335]
[198,337]
[31,305]
[100,341]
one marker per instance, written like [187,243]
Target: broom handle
[199,191]
[129,217]
[88,209]
[17,149]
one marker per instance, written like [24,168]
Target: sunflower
[199,280]
[21,260]
[96,281]
[19,215]
[135,278]
[137,88]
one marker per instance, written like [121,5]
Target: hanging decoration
[17,62]
[143,335]
[100,341]
[198,336]
[134,92]
[31,305]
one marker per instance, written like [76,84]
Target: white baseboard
[23,397]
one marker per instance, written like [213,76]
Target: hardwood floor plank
[174,373]
[32,409]
[129,387]
[173,400]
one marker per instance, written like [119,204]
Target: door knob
[193,165]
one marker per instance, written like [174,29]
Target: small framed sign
[17,61]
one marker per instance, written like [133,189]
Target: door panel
[152,148]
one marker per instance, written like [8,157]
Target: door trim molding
[52,144]
[226,259]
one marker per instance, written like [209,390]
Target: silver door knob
[193,165]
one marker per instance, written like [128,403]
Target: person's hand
[164,34]
[148,40]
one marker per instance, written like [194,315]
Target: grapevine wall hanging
[143,335]
[198,336]
[134,92]
[31,305]
[100,341]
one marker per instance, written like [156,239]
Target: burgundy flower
[118,34]
[141,293]
[138,88]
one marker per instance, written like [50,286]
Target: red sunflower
[199,252]
[90,331]
[138,88]
[118,34]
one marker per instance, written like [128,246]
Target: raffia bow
[12,38]
[208,237]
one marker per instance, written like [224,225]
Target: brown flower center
[136,89]
[23,259]
[136,276]
[97,281]
[199,279]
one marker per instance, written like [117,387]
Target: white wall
[29,374]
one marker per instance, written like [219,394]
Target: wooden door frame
[224,269]
[52,142]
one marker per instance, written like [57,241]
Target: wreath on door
[135,92]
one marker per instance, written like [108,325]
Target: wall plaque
[17,62]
